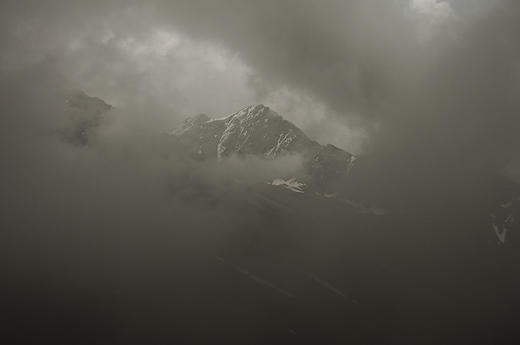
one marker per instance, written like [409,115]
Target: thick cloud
[394,69]
[437,75]
[431,79]
[435,82]
[128,204]
[432,83]
[451,92]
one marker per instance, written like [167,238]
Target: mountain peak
[200,118]
[260,131]
[252,112]
[83,102]
[191,122]
[84,115]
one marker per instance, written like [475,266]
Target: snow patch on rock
[292,184]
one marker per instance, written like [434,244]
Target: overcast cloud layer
[365,75]
[429,83]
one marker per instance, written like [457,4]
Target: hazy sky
[366,75]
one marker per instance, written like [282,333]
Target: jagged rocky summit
[258,130]
[84,115]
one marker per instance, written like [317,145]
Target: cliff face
[257,130]
[84,114]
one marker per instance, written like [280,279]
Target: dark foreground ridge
[380,256]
